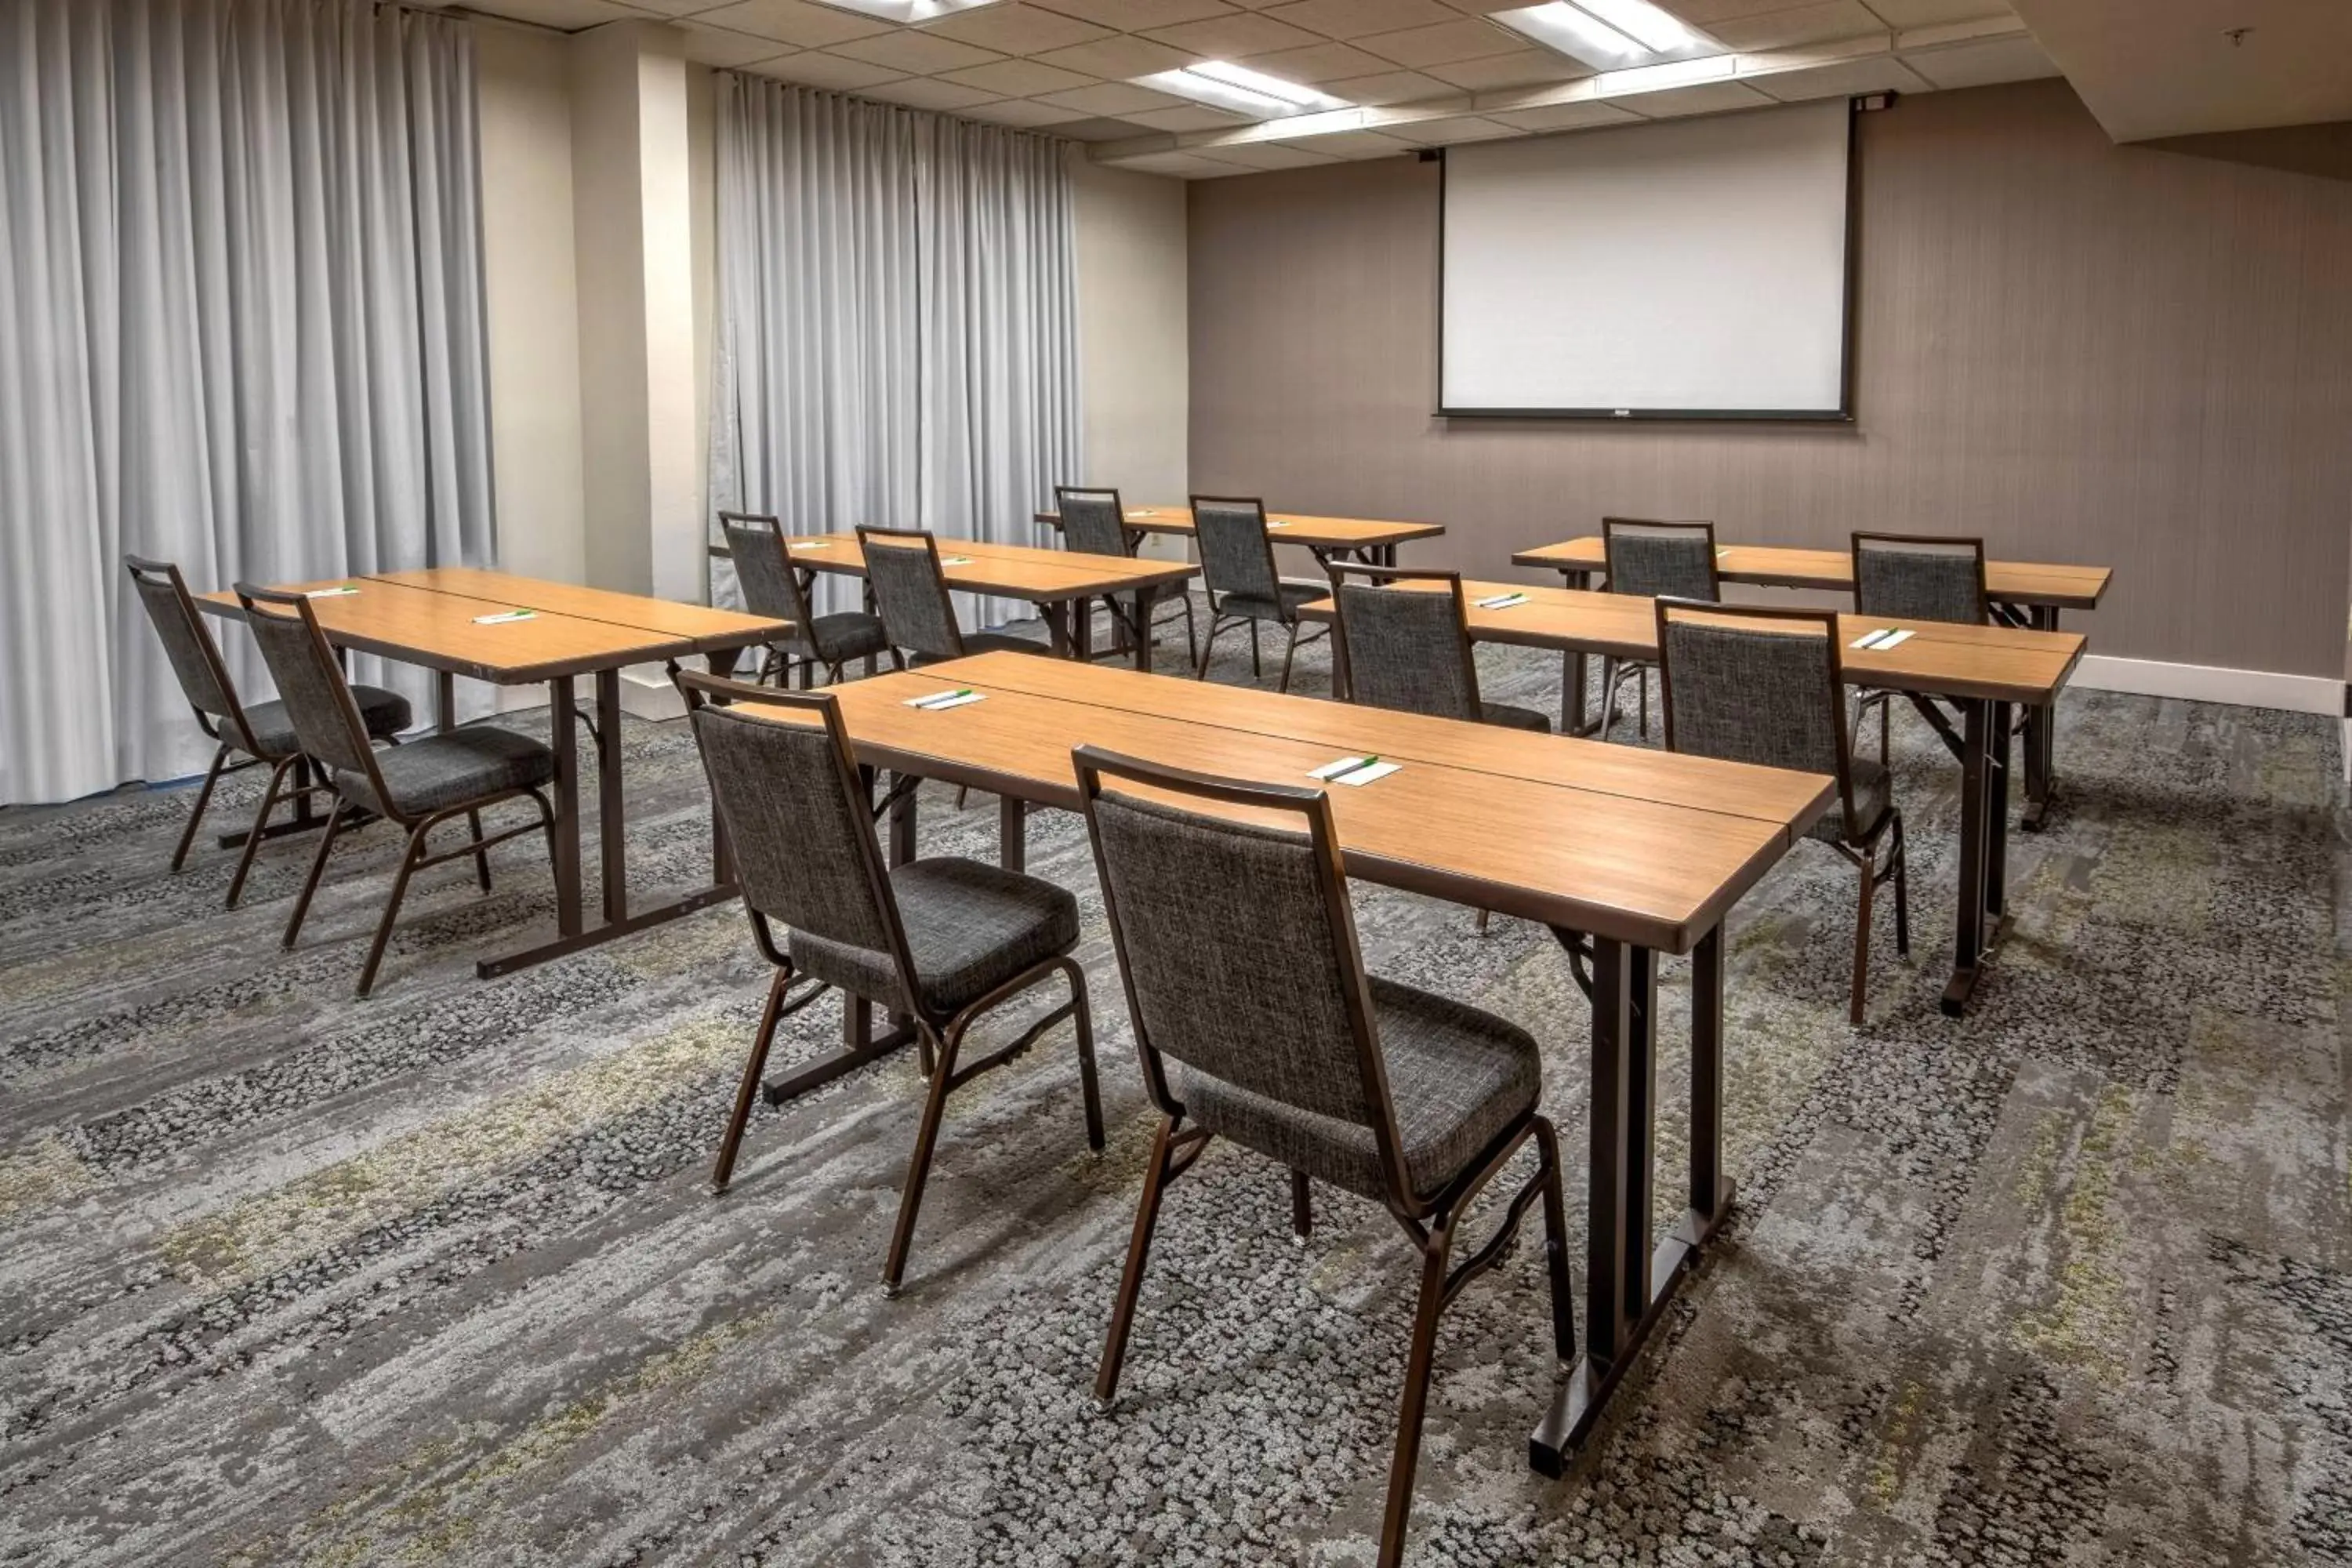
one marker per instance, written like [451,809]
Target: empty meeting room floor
[289,1277]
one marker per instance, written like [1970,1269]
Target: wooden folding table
[1370,540]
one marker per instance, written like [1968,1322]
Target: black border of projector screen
[1842,414]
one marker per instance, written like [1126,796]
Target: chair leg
[1190,641]
[1902,893]
[1644,731]
[1083,1020]
[260,820]
[1257,669]
[1885,727]
[481,856]
[1138,1252]
[1862,936]
[1288,654]
[1608,697]
[1418,1366]
[1483,915]
[1208,647]
[961,790]
[753,1066]
[408,859]
[919,1167]
[311,886]
[1302,1205]
[203,798]
[1563,1288]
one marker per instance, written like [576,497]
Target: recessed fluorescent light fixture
[1606,33]
[907,10]
[1223,85]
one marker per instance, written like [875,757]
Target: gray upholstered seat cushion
[451,769]
[1457,1078]
[1511,717]
[1873,788]
[1259,608]
[842,637]
[385,714]
[969,928]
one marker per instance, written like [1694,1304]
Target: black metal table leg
[1013,833]
[1984,846]
[2041,741]
[612,840]
[902,823]
[1571,670]
[1057,627]
[1142,639]
[1711,1189]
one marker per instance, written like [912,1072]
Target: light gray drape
[897,339]
[241,327]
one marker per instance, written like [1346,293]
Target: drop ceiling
[1408,73]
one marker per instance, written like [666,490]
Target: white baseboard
[2210,683]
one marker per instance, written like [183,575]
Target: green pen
[951,697]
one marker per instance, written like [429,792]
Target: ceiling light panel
[908,11]
[1224,85]
[1608,35]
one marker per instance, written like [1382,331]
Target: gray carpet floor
[293,1279]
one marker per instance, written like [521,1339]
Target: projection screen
[1677,270]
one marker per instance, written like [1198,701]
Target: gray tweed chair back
[911,591]
[1753,684]
[311,683]
[763,568]
[1661,560]
[1407,639]
[194,657]
[1236,554]
[1236,943]
[801,837]
[1093,521]
[1919,577]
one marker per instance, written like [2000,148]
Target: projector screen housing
[1697,268]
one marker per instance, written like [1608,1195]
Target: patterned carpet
[432,1278]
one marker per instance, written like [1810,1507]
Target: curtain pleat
[897,341]
[242,331]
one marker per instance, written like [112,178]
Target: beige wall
[2083,352]
[1132,333]
[532,301]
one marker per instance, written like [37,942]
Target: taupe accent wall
[2083,352]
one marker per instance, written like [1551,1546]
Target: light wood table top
[2009,582]
[706,629]
[1324,534]
[1941,658]
[1644,847]
[442,631]
[1005,571]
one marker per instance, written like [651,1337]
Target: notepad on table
[955,560]
[940,700]
[336,592]
[1502,601]
[1881,639]
[1353,771]
[503,617]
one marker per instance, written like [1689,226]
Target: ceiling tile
[567,16]
[1273,155]
[914,54]
[1317,63]
[1465,38]
[1230,36]
[1012,28]
[723,48]
[1020,112]
[1804,24]
[1706,14]
[929,92]
[1184,165]
[1120,57]
[1564,116]
[1354,18]
[1351,144]
[1022,79]
[1980,64]
[814,68]
[1929,12]
[1111,98]
[1101,129]
[1842,79]
[1389,86]
[1700,98]
[794,22]
[663,8]
[1187,116]
[1443,132]
[1136,15]
[1521,68]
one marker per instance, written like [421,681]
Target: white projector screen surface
[1679,268]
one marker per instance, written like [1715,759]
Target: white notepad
[1881,639]
[955,560]
[336,592]
[1502,601]
[1353,771]
[939,700]
[503,617]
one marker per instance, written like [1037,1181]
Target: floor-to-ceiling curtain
[241,327]
[897,337]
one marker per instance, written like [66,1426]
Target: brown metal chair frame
[1429,1223]
[413,857]
[937,1037]
[310,782]
[1615,672]
[1883,699]
[777,662]
[1218,619]
[1123,616]
[1859,848]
